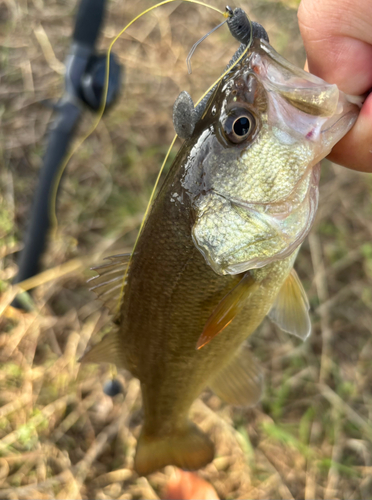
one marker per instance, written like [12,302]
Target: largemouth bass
[216,253]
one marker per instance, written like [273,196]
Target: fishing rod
[84,87]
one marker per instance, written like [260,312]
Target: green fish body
[217,250]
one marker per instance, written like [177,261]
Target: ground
[60,435]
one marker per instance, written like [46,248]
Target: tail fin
[189,449]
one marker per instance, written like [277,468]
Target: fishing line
[27,284]
[53,216]
[145,217]
[243,54]
[168,153]
[53,195]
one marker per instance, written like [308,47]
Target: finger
[338,40]
[355,149]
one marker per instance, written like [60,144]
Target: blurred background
[310,436]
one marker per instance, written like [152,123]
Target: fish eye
[239,125]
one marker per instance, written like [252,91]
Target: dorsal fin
[227,309]
[291,308]
[109,280]
[241,381]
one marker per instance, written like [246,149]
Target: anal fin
[240,383]
[227,309]
[291,308]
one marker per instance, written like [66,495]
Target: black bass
[216,253]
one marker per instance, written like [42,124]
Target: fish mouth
[235,236]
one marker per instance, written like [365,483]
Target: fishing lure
[185,114]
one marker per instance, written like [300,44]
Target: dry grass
[310,437]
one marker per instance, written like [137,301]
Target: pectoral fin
[108,350]
[291,308]
[227,309]
[241,381]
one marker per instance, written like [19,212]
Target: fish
[216,253]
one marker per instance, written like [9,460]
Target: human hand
[338,40]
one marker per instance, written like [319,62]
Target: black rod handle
[58,141]
[88,22]
[87,27]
